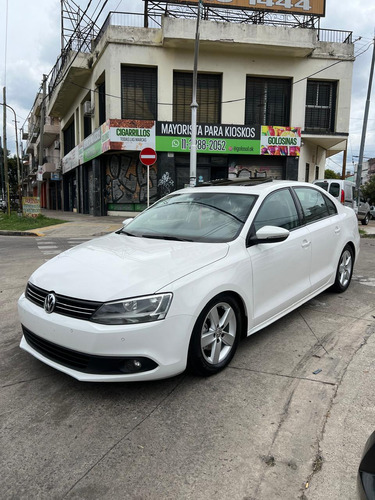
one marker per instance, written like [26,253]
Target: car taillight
[342,196]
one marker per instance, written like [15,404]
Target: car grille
[87,363]
[67,306]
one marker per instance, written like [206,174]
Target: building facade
[273,101]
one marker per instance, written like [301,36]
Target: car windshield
[194,216]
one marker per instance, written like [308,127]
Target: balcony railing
[335,36]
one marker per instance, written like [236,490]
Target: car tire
[344,270]
[215,336]
[365,220]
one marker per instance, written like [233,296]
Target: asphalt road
[265,428]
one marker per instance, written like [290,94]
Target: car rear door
[325,228]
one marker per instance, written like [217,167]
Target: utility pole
[18,167]
[41,141]
[365,120]
[2,191]
[194,107]
[6,174]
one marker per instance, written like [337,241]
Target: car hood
[118,266]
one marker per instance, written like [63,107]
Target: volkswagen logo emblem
[49,303]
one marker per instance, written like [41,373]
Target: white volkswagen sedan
[180,284]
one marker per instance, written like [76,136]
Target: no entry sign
[148,156]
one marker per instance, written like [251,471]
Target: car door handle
[306,243]
[337,230]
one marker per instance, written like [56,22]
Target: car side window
[313,204]
[278,209]
[332,210]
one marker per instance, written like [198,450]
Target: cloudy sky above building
[30,41]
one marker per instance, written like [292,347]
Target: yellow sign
[302,7]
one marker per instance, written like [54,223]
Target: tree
[330,174]
[368,189]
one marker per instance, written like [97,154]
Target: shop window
[138,93]
[320,106]
[69,138]
[208,97]
[267,101]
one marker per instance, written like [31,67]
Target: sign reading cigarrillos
[302,7]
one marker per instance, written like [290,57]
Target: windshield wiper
[219,210]
[126,233]
[164,237]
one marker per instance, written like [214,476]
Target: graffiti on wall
[165,184]
[126,180]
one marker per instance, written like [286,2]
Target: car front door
[280,270]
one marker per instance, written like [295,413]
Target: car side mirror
[269,234]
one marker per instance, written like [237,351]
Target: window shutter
[139,93]
[267,101]
[208,97]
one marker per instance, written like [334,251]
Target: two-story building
[273,101]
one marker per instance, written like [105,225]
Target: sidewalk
[77,225]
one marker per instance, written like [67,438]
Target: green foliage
[368,189]
[330,174]
[16,223]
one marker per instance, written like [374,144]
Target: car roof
[257,189]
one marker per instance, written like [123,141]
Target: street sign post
[148,157]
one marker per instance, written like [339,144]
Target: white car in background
[181,283]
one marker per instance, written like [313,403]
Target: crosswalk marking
[51,248]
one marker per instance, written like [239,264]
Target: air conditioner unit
[57,145]
[87,108]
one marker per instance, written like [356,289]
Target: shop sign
[92,145]
[214,139]
[280,141]
[303,7]
[131,135]
[31,206]
[55,176]
[70,160]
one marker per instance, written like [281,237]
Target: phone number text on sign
[286,4]
[205,144]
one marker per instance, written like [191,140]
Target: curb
[18,233]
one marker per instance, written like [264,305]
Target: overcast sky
[30,44]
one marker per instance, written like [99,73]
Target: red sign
[148,156]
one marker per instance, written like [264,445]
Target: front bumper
[164,344]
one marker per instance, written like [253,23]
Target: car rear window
[334,189]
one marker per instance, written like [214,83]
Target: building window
[307,172]
[101,99]
[316,172]
[320,106]
[208,97]
[69,138]
[138,93]
[267,101]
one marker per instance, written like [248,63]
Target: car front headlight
[134,310]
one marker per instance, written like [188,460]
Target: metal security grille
[67,306]
[138,93]
[208,97]
[320,106]
[267,101]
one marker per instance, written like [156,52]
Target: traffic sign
[148,156]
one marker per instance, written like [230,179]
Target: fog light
[132,365]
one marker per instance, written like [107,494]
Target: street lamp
[194,106]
